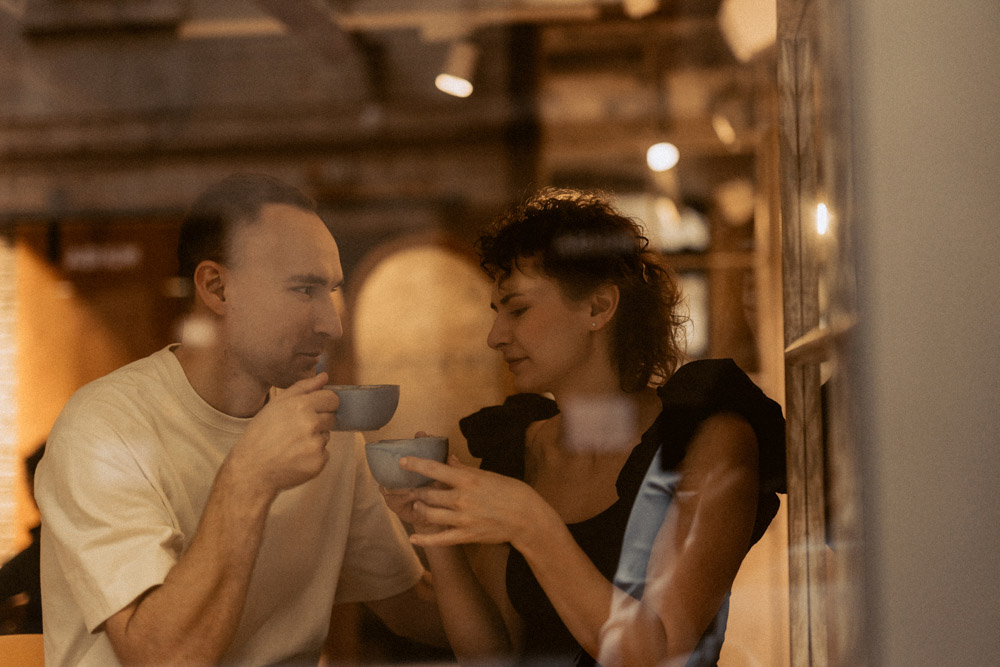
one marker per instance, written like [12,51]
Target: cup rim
[392,441]
[361,387]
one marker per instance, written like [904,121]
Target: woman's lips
[513,363]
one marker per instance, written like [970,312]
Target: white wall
[927,178]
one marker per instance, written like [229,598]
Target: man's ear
[210,285]
[603,304]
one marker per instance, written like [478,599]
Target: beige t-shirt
[126,473]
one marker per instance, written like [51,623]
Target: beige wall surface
[927,146]
[420,321]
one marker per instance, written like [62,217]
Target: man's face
[281,278]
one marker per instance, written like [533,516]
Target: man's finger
[307,385]
[323,400]
[325,422]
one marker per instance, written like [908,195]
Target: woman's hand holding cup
[401,502]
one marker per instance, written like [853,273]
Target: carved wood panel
[826,614]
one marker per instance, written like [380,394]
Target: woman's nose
[499,334]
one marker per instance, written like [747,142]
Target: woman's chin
[524,385]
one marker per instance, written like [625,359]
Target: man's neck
[218,384]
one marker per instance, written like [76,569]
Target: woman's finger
[439,471]
[445,538]
[435,497]
[441,516]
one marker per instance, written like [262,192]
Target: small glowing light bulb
[724,129]
[822,219]
[453,85]
[662,156]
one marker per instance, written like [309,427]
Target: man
[191,513]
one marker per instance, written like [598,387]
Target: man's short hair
[235,201]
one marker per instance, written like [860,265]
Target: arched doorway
[419,315]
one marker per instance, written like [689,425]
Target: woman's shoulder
[705,379]
[701,389]
[707,386]
[495,434]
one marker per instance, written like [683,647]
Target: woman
[587,314]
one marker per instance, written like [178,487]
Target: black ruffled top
[694,393]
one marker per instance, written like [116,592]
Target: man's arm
[192,617]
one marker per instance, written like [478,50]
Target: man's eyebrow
[312,279]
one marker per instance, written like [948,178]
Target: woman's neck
[604,419]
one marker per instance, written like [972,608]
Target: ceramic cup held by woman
[586,313]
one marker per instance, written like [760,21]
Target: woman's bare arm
[697,552]
[468,588]
[488,508]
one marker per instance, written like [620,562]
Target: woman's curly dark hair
[580,240]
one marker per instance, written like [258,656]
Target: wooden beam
[313,22]
[51,17]
[260,131]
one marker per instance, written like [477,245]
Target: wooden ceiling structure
[111,105]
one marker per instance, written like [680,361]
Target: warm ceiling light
[724,129]
[662,156]
[456,77]
[636,9]
[453,85]
[749,26]
[822,219]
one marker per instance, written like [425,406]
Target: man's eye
[305,289]
[517,312]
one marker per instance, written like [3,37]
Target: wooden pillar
[798,162]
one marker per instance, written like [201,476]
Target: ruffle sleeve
[706,387]
[496,434]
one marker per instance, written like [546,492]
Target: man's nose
[328,319]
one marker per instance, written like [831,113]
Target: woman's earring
[593,325]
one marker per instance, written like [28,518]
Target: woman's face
[545,337]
